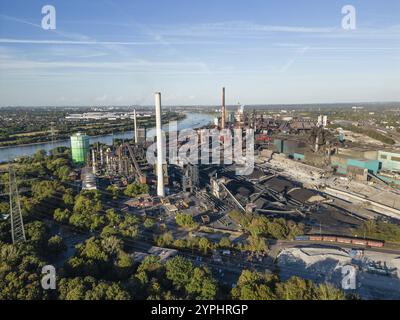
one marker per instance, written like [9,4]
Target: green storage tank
[80,148]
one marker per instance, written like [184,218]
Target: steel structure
[17,223]
[133,154]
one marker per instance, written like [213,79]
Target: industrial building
[390,160]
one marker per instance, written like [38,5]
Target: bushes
[135,189]
[379,230]
[254,285]
[258,225]
[186,221]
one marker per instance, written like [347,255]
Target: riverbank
[114,130]
[10,153]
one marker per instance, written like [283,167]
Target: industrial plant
[196,156]
[304,170]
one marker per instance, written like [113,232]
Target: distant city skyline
[263,52]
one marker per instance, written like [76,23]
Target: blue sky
[119,52]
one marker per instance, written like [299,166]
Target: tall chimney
[223,113]
[135,125]
[160,150]
[101,157]
[93,161]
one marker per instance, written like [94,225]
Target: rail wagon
[359,242]
[329,238]
[315,238]
[344,240]
[378,244]
[340,239]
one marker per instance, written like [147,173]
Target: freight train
[342,239]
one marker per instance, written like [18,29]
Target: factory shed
[390,160]
[171,208]
[371,165]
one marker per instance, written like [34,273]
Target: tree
[256,244]
[254,286]
[186,221]
[204,244]
[202,286]
[328,292]
[39,155]
[20,270]
[68,197]
[180,243]
[225,243]
[88,288]
[62,215]
[56,245]
[148,223]
[164,239]
[38,234]
[179,271]
[258,226]
[379,230]
[100,258]
[150,264]
[112,217]
[63,173]
[4,208]
[114,192]
[295,289]
[134,189]
[240,218]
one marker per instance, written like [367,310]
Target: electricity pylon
[17,223]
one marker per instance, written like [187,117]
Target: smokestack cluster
[223,111]
[160,149]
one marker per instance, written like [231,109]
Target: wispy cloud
[300,52]
[139,65]
[237,28]
[79,42]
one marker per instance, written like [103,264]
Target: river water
[192,120]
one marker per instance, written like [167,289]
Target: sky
[119,52]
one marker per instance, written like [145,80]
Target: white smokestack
[93,161]
[134,123]
[160,150]
[324,121]
[101,157]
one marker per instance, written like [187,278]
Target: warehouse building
[390,160]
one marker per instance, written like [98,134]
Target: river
[192,120]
